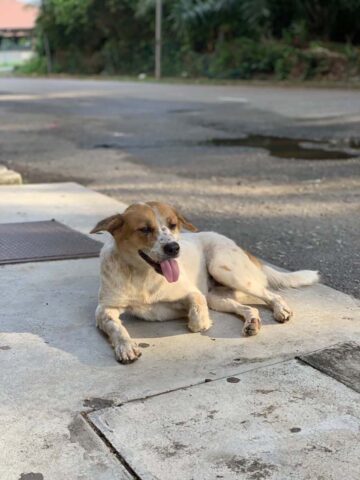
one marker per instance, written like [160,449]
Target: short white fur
[214,272]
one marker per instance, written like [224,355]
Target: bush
[35,65]
[241,59]
[246,59]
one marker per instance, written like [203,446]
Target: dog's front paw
[200,324]
[127,352]
[282,313]
[252,327]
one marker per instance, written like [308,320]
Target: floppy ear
[109,224]
[185,223]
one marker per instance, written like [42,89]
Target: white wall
[14,56]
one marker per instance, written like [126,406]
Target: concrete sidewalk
[68,410]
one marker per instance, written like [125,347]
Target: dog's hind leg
[223,299]
[234,269]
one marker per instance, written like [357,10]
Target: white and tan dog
[151,270]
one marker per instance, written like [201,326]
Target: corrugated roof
[15,15]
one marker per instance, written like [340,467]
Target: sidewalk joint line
[205,381]
[110,446]
[185,387]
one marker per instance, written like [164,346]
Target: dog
[152,270]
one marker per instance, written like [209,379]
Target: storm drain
[43,241]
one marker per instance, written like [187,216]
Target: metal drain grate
[43,241]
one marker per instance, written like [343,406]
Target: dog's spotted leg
[222,300]
[108,320]
[199,319]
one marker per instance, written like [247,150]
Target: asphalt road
[185,144]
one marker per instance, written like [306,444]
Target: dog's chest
[140,293]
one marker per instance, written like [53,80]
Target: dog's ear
[109,224]
[184,222]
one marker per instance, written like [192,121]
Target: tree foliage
[241,37]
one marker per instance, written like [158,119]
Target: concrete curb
[9,177]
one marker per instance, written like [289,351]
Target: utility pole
[158,21]
[46,45]
[47,53]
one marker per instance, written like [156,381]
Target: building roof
[15,15]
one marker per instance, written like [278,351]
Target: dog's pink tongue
[170,270]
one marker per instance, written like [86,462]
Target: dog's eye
[146,230]
[172,226]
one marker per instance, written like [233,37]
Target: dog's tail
[300,278]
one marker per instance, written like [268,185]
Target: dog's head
[147,236]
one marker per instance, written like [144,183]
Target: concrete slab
[55,364]
[282,422]
[69,203]
[41,440]
[40,403]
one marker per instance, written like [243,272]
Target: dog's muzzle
[171,249]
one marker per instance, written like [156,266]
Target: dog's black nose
[172,249]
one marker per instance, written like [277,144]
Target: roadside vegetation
[220,39]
